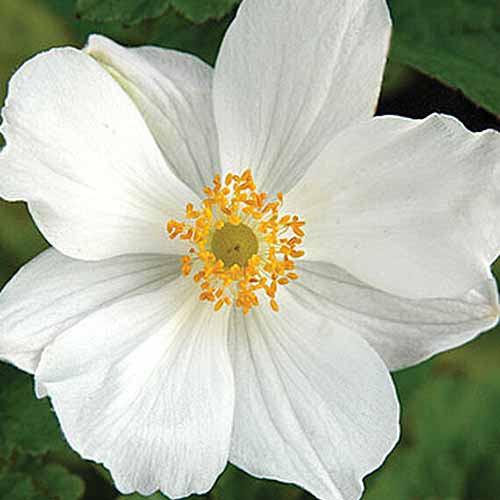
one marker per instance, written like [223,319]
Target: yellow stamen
[242,247]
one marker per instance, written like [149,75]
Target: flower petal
[145,387]
[402,331]
[411,207]
[80,153]
[315,405]
[173,91]
[292,74]
[53,292]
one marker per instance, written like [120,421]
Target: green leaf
[396,78]
[456,41]
[26,423]
[15,486]
[175,32]
[236,484]
[201,11]
[40,29]
[54,481]
[465,401]
[452,443]
[20,240]
[411,475]
[478,359]
[124,11]
[136,11]
[47,482]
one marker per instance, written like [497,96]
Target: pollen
[241,248]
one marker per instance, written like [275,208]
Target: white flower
[109,145]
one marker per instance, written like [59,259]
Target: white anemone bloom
[186,316]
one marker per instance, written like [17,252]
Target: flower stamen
[241,245]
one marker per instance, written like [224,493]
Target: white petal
[290,75]
[145,387]
[80,153]
[402,331]
[315,405]
[411,207]
[53,292]
[173,91]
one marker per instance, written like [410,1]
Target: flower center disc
[234,245]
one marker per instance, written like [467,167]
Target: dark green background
[450,449]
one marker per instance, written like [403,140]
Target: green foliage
[54,481]
[16,486]
[236,484]
[452,444]
[26,28]
[19,238]
[396,78]
[27,424]
[28,431]
[136,11]
[38,481]
[174,31]
[201,11]
[124,11]
[456,41]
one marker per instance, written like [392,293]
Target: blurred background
[450,447]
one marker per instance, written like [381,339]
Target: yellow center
[241,247]
[234,245]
